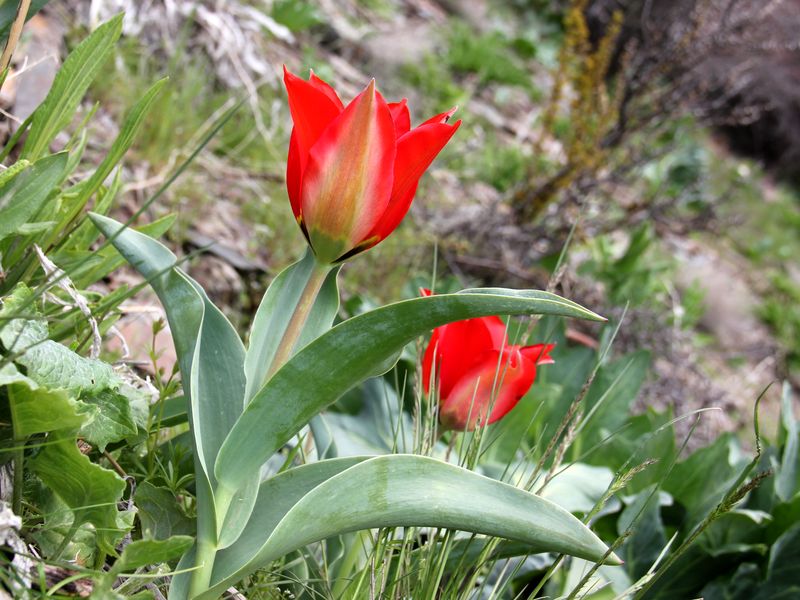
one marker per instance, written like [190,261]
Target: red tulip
[478,372]
[353,170]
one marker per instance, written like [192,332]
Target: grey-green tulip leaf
[347,355]
[273,314]
[276,496]
[395,491]
[210,354]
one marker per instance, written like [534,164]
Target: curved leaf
[272,319]
[210,355]
[69,86]
[399,491]
[276,496]
[348,354]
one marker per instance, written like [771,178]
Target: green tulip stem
[300,315]
[204,565]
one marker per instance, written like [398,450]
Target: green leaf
[400,491]
[108,418]
[210,353]
[169,412]
[86,267]
[25,195]
[612,394]
[142,553]
[272,319]
[35,409]
[52,365]
[159,513]
[578,487]
[648,436]
[276,496]
[211,358]
[48,363]
[350,353]
[122,143]
[89,490]
[786,477]
[76,198]
[648,538]
[700,481]
[70,84]
[784,557]
[85,234]
[379,427]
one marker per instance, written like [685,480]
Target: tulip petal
[324,87]
[400,116]
[294,174]
[457,348]
[539,353]
[415,152]
[441,117]
[312,111]
[497,382]
[347,181]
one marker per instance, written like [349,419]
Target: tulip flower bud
[352,170]
[480,377]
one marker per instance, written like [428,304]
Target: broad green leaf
[577,487]
[56,521]
[648,436]
[782,581]
[89,490]
[379,427]
[782,573]
[701,480]
[70,84]
[159,513]
[25,195]
[35,409]
[350,353]
[210,355]
[107,417]
[402,491]
[786,477]
[142,553]
[48,363]
[743,585]
[784,515]
[135,555]
[273,314]
[276,496]
[55,366]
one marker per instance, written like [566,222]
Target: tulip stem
[300,315]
